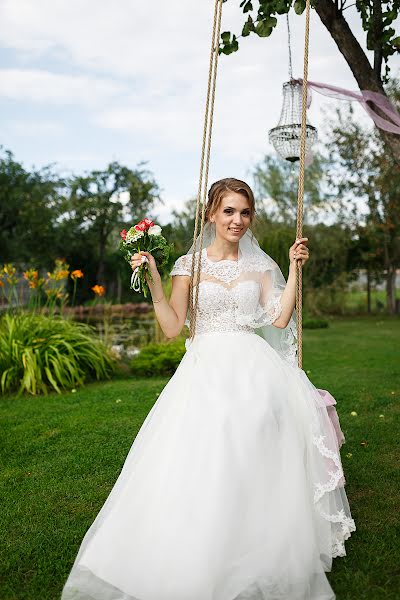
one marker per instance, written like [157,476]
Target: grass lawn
[62,454]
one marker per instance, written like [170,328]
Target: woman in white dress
[233,488]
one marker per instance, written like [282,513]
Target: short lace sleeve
[268,308]
[182,266]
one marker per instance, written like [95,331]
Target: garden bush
[40,353]
[314,323]
[158,359]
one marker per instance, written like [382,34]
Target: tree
[365,254]
[276,180]
[101,201]
[182,226]
[377,18]
[30,203]
[364,174]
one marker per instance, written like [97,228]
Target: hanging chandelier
[285,137]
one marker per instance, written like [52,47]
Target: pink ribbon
[363,98]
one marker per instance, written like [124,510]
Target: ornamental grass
[39,354]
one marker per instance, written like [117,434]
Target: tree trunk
[102,254]
[390,291]
[358,62]
[368,290]
[119,287]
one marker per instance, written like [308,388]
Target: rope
[300,194]
[204,164]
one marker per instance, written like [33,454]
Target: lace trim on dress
[347,524]
[181,267]
[263,315]
[223,270]
[289,344]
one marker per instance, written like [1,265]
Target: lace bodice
[233,295]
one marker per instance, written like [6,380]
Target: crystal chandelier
[285,137]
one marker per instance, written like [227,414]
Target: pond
[124,330]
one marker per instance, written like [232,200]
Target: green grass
[62,455]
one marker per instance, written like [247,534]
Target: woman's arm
[170,315]
[298,251]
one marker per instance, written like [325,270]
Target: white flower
[133,236]
[154,230]
[117,350]
[131,352]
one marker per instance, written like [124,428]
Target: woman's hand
[299,251]
[137,260]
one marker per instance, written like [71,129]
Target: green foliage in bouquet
[158,359]
[40,354]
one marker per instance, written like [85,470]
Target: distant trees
[276,181]
[44,216]
[30,204]
[367,182]
[357,182]
[100,202]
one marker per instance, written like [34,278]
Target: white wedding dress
[233,488]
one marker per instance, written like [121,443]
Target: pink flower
[141,226]
[123,234]
[149,223]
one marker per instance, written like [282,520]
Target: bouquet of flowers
[146,236]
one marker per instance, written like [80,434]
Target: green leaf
[396,42]
[281,8]
[299,7]
[262,29]
[234,44]
[226,36]
[225,50]
[247,29]
[248,7]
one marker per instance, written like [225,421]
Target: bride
[233,488]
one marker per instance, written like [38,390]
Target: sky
[84,83]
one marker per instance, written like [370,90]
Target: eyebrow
[247,208]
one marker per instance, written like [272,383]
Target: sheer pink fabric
[330,402]
[364,97]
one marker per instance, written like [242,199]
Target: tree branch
[348,45]
[377,30]
[365,75]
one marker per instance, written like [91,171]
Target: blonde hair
[218,190]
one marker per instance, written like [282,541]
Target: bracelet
[155,301]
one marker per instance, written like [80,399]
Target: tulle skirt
[232,490]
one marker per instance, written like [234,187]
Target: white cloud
[33,128]
[39,85]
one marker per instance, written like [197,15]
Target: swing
[306,133]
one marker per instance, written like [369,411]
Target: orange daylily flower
[77,274]
[99,290]
[31,275]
